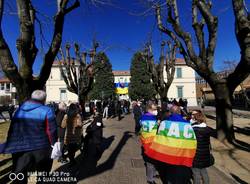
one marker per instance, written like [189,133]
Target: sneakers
[151,182]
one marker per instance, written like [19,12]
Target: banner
[121,88]
[174,143]
[148,130]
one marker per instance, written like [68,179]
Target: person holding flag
[174,148]
[148,131]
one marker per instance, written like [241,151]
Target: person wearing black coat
[61,131]
[137,115]
[203,157]
[94,137]
[119,110]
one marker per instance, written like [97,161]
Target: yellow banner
[121,91]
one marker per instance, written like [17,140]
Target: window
[179,72]
[2,86]
[63,95]
[8,87]
[121,79]
[64,71]
[179,91]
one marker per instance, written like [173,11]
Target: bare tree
[166,65]
[202,62]
[77,73]
[22,77]
[229,68]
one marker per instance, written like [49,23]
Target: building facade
[7,92]
[241,94]
[183,85]
[56,88]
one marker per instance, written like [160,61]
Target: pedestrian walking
[137,112]
[148,131]
[119,110]
[72,121]
[31,134]
[174,147]
[203,157]
[105,111]
[94,137]
[61,131]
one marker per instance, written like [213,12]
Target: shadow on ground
[244,146]
[87,166]
[4,176]
[238,179]
[245,130]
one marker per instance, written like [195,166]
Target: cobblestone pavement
[121,162]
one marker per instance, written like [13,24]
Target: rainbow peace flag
[174,143]
[148,130]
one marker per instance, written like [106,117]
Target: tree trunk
[163,94]
[82,100]
[224,114]
[24,92]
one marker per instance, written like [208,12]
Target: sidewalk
[232,161]
[243,113]
[122,162]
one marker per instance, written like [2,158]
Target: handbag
[56,151]
[211,159]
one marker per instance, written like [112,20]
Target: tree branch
[6,60]
[170,63]
[26,42]
[212,24]
[242,31]
[56,40]
[68,76]
[185,36]
[173,36]
[198,28]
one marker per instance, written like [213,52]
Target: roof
[57,62]
[121,73]
[180,61]
[4,80]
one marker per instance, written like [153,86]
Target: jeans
[150,171]
[200,174]
[150,167]
[105,112]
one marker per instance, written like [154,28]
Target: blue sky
[118,29]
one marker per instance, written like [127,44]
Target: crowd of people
[36,127]
[111,108]
[173,164]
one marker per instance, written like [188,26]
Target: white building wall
[55,84]
[121,78]
[187,81]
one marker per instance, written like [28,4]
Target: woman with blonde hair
[73,123]
[203,157]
